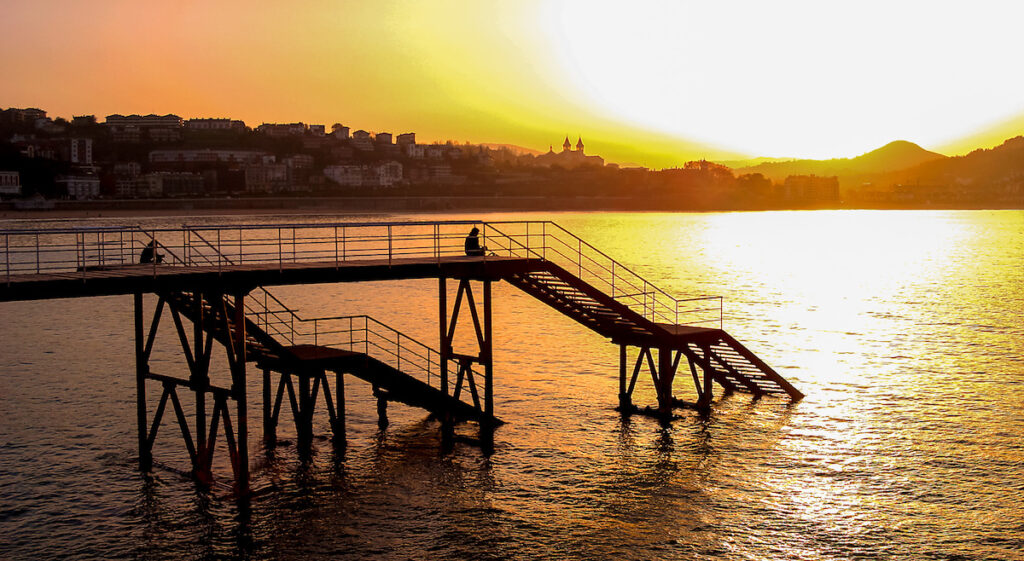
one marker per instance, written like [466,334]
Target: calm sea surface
[905,330]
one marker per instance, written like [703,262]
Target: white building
[267,178]
[80,186]
[81,151]
[388,173]
[10,184]
[385,174]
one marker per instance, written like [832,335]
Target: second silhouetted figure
[473,246]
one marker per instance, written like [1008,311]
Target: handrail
[38,251]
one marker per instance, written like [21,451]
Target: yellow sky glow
[655,83]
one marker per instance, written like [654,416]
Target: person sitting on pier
[149,253]
[473,247]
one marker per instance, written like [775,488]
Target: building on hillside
[317,130]
[81,151]
[136,128]
[268,178]
[28,116]
[348,175]
[384,174]
[10,184]
[279,130]
[169,184]
[810,188]
[215,125]
[297,161]
[207,156]
[83,120]
[127,169]
[361,141]
[413,150]
[150,121]
[339,131]
[406,139]
[47,126]
[79,187]
[568,158]
[388,174]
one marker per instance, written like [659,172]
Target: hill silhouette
[892,157]
[981,167]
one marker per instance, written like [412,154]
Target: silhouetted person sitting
[473,246]
[149,253]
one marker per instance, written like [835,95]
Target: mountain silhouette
[980,167]
[892,157]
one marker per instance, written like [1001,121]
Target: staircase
[274,341]
[609,299]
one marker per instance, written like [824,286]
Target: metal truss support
[483,397]
[302,401]
[211,315]
[662,372]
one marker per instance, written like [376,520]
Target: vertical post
[141,371]
[544,240]
[339,409]
[200,380]
[624,398]
[443,350]
[704,403]
[238,388]
[486,354]
[269,427]
[305,415]
[665,377]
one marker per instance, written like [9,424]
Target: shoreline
[361,206]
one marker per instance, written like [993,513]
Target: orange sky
[648,82]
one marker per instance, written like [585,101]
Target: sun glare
[789,78]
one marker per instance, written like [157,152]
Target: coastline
[383,205]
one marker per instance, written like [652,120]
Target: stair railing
[359,333]
[556,244]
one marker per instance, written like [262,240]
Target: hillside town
[132,157]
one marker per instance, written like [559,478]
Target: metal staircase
[605,296]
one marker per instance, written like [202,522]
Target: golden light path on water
[903,329]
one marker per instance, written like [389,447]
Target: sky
[643,82]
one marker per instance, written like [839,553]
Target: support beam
[666,375]
[483,395]
[625,399]
[444,349]
[200,379]
[487,355]
[382,407]
[304,415]
[269,419]
[238,383]
[141,370]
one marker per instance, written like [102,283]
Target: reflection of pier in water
[215,277]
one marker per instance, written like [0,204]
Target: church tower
[579,145]
[566,146]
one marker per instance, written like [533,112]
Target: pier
[214,283]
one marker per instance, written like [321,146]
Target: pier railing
[360,333]
[78,250]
